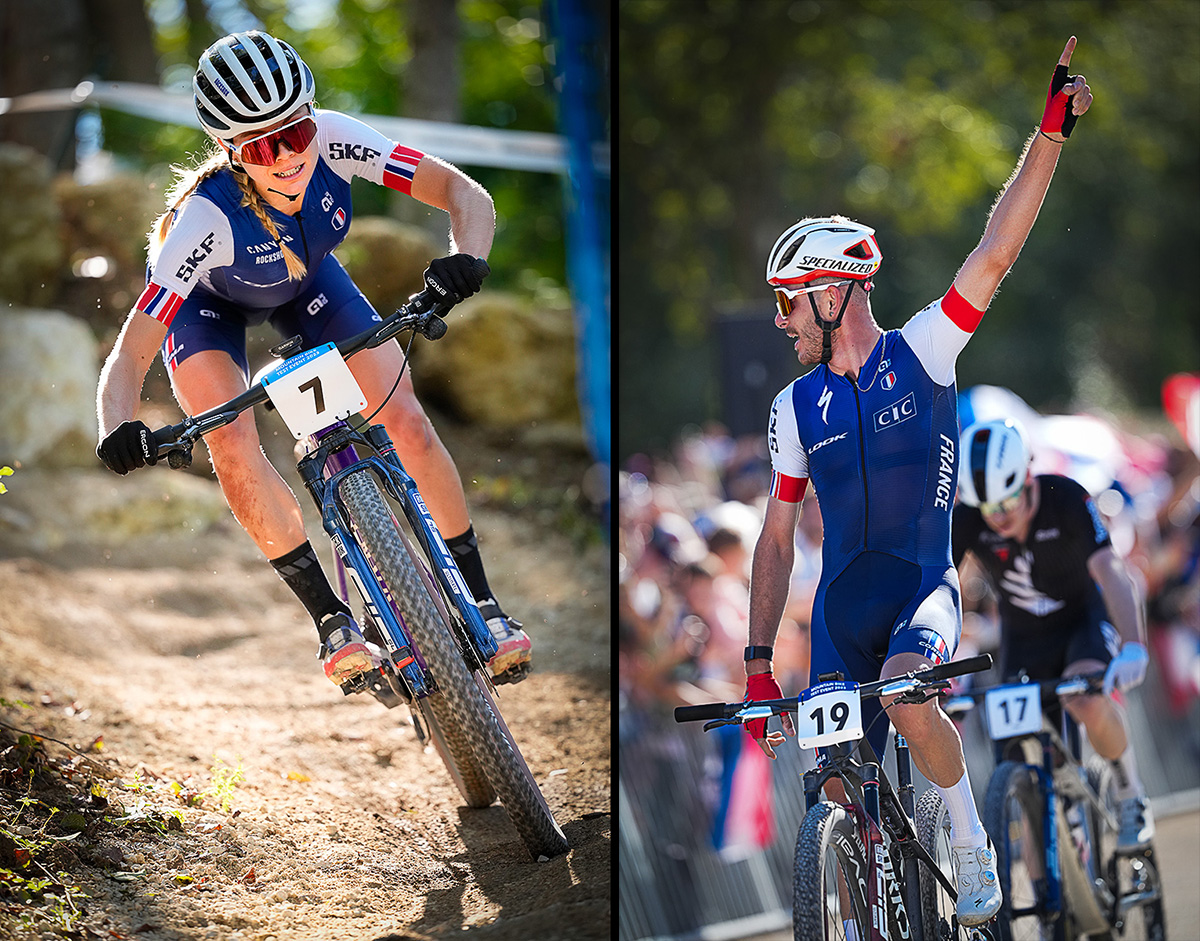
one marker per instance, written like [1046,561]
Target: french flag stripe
[159,303]
[400,167]
[788,489]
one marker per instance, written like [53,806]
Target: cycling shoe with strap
[511,662]
[345,651]
[979,894]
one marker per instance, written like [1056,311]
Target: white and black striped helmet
[249,81]
[814,248]
[994,458]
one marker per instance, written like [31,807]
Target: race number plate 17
[1013,710]
[829,713]
[313,389]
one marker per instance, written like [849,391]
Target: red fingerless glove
[760,686]
[1058,117]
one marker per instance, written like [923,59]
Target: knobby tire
[461,706]
[828,831]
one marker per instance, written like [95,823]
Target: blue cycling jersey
[220,248]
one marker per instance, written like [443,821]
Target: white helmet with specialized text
[814,248]
[248,81]
[994,458]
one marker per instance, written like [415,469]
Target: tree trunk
[432,81]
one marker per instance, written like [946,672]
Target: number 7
[315,385]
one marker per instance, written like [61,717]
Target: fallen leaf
[249,877]
[297,776]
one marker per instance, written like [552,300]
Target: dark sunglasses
[264,151]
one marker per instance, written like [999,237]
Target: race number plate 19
[829,713]
[313,389]
[1013,710]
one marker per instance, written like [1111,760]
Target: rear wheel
[461,703]
[1013,814]
[829,886]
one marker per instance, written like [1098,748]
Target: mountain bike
[876,863]
[1052,818]
[416,605]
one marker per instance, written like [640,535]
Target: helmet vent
[861,250]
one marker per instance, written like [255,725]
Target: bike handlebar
[423,313]
[896,685]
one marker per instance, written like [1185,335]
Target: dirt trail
[191,659]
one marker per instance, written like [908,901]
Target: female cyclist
[248,237]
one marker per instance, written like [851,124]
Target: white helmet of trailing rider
[994,461]
[814,248]
[248,81]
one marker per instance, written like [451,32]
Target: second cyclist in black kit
[1067,602]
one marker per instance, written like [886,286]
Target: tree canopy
[739,118]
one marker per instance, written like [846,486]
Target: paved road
[1178,845]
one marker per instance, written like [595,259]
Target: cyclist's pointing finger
[1065,58]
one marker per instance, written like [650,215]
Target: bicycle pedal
[513,674]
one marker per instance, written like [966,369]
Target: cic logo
[896,412]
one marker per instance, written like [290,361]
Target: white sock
[1125,775]
[965,826]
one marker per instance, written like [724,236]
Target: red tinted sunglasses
[264,151]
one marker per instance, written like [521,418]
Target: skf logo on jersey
[897,412]
[888,381]
[823,404]
[352,152]
[188,268]
[339,218]
[772,440]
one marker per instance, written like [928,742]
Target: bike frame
[332,457]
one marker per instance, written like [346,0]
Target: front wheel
[829,887]
[460,702]
[938,915]
[1012,815]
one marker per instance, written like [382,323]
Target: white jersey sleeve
[939,333]
[789,460]
[352,148]
[200,238]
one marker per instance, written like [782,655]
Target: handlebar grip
[959,667]
[708,710]
[481,268]
[163,437]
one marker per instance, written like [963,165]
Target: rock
[31,248]
[387,259]
[106,221]
[503,364]
[49,366]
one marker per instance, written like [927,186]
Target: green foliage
[739,118]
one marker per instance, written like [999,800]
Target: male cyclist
[1062,588]
[875,427]
[247,237]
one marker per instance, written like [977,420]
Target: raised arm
[1017,207]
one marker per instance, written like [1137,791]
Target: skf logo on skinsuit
[897,412]
[772,441]
[188,268]
[339,218]
[888,381]
[351,152]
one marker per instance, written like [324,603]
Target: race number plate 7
[829,713]
[313,389]
[1013,710]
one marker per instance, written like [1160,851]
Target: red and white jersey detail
[788,489]
[159,302]
[789,460]
[352,148]
[938,334]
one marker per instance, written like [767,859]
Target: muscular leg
[259,498]
[1103,718]
[935,745]
[421,451]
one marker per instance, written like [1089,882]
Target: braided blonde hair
[188,178]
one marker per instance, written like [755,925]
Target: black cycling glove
[462,274]
[129,446]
